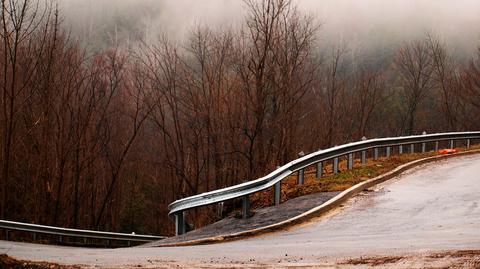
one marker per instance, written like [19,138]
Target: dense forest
[106,140]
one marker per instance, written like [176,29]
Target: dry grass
[7,262]
[373,261]
[340,181]
[442,259]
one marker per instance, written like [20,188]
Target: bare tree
[415,68]
[127,89]
[444,76]
[467,89]
[333,95]
[368,93]
[20,22]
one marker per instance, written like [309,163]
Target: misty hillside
[365,25]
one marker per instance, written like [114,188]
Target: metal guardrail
[178,207]
[41,229]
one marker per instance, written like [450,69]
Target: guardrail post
[278,192]
[468,143]
[60,239]
[423,144]
[85,241]
[129,243]
[34,237]
[452,144]
[335,165]
[319,169]
[350,160]
[6,235]
[388,152]
[179,223]
[400,149]
[364,153]
[436,145]
[412,148]
[301,172]
[375,153]
[245,207]
[301,176]
[220,209]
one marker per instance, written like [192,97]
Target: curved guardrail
[42,229]
[178,207]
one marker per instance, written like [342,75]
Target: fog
[363,24]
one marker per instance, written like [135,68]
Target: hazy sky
[361,22]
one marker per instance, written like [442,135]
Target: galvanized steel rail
[178,207]
[42,229]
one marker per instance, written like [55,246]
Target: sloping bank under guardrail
[315,212]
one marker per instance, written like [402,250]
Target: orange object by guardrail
[448,151]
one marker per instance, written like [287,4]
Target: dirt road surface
[423,217]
